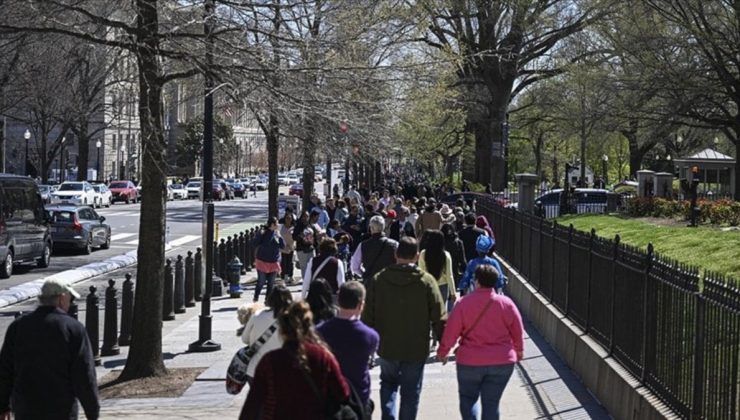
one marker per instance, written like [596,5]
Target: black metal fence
[678,335]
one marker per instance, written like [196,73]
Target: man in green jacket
[402,304]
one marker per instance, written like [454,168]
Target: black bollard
[127,311]
[110,321]
[91,323]
[179,285]
[198,274]
[247,250]
[217,286]
[18,315]
[168,299]
[189,282]
[242,247]
[73,310]
[250,255]
[229,249]
[215,258]
[222,258]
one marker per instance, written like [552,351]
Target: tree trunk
[308,170]
[273,145]
[145,354]
[736,193]
[495,160]
[83,143]
[539,142]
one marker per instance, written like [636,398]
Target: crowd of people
[398,272]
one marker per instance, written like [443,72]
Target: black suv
[24,226]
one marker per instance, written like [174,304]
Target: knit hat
[484,244]
[391,214]
[54,287]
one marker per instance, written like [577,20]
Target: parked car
[179,192]
[25,236]
[103,196]
[283,179]
[45,191]
[239,189]
[261,183]
[78,227]
[292,179]
[193,189]
[124,191]
[218,193]
[296,189]
[75,193]
[318,175]
[583,200]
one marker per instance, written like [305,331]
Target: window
[86,214]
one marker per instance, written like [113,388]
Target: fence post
[567,269]
[127,311]
[645,316]
[613,288]
[179,298]
[92,316]
[697,400]
[552,261]
[110,322]
[589,277]
[198,274]
[168,297]
[189,282]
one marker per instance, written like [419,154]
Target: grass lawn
[705,247]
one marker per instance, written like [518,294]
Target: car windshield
[176,186]
[119,185]
[62,216]
[71,187]
[44,188]
[194,185]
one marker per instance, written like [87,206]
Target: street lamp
[27,136]
[98,144]
[604,162]
[61,161]
[238,146]
[716,141]
[122,169]
[220,152]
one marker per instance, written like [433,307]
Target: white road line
[117,213]
[231,216]
[119,236]
[134,242]
[185,239]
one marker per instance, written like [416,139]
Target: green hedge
[718,212]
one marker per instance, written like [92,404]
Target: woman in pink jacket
[489,329]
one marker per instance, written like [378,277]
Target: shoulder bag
[236,374]
[352,409]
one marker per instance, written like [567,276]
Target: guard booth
[288,200]
[714,170]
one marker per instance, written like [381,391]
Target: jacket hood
[402,274]
[482,222]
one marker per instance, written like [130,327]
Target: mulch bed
[171,385]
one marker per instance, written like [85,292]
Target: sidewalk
[542,387]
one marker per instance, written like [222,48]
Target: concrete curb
[32,289]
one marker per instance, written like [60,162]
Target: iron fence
[678,334]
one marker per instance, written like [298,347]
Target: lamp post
[27,136]
[238,147]
[61,162]
[220,153]
[604,162]
[122,169]
[98,144]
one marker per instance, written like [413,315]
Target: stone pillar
[527,184]
[663,186]
[645,182]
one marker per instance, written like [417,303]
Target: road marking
[134,242]
[117,213]
[231,216]
[120,236]
[185,239]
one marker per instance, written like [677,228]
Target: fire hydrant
[233,271]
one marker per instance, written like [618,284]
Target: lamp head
[98,144]
[27,135]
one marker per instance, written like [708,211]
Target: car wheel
[127,200]
[87,250]
[6,269]
[106,245]
[109,204]
[43,261]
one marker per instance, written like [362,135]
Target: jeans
[261,278]
[407,375]
[286,265]
[486,382]
[303,259]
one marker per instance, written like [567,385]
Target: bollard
[240,253]
[222,258]
[168,298]
[253,255]
[179,285]
[250,255]
[91,323]
[198,274]
[247,250]
[189,282]
[233,269]
[18,315]
[127,311]
[73,310]
[110,321]
[215,258]
[229,249]
[217,286]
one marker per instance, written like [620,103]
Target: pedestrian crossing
[120,239]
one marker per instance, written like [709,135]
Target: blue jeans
[486,382]
[407,375]
[261,278]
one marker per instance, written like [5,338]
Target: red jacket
[280,391]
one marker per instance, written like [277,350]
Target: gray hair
[377,224]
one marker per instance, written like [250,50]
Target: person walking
[287,252]
[296,380]
[352,342]
[435,260]
[325,265]
[489,329]
[402,303]
[469,235]
[46,362]
[305,237]
[269,244]
[454,246]
[353,226]
[374,253]
[257,326]
[402,226]
[430,219]
[483,247]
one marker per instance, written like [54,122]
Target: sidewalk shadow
[112,364]
[566,384]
